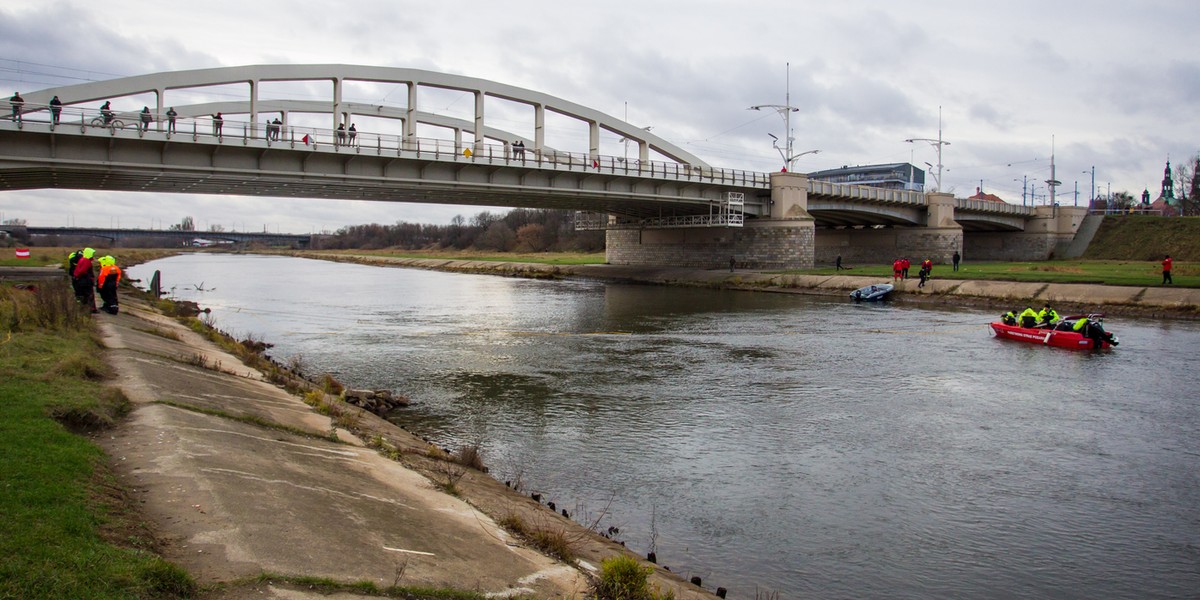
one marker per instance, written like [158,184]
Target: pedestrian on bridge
[146,119]
[17,104]
[218,123]
[55,109]
[171,114]
[341,134]
[353,134]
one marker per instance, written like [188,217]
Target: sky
[1105,85]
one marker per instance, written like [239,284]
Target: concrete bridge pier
[1047,235]
[781,240]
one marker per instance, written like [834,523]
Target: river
[772,443]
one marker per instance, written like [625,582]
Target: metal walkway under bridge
[271,143]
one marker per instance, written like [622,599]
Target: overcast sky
[1110,84]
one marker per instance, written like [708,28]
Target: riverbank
[1068,298]
[256,489]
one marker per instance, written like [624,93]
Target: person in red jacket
[86,290]
[897,270]
[110,276]
[904,265]
[927,264]
[1167,270]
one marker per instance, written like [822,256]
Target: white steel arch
[253,75]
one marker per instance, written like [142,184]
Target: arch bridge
[291,131]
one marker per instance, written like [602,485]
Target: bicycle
[108,121]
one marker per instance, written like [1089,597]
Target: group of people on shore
[81,268]
[900,268]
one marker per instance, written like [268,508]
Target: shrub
[623,577]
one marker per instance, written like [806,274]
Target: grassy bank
[66,530]
[54,256]
[1146,238]
[1106,272]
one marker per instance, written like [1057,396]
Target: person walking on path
[1167,270]
[923,274]
[171,114]
[55,110]
[17,104]
[838,263]
[957,257]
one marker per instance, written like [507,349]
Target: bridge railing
[92,121]
[861,192]
[989,206]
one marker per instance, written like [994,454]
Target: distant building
[1166,204]
[895,176]
[980,195]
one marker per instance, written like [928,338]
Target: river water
[772,443]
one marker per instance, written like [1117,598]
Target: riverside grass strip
[60,510]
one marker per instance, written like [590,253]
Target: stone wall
[1013,246]
[763,245]
[882,246]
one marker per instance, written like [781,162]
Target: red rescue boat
[1058,338]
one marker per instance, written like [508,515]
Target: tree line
[518,230]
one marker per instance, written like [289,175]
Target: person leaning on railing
[17,104]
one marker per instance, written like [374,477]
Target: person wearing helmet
[110,276]
[85,290]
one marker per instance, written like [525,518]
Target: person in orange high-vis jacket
[110,276]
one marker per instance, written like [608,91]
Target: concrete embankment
[240,478]
[1169,302]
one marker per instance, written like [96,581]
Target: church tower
[1168,188]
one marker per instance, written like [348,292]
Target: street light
[788,158]
[785,111]
[1092,199]
[937,144]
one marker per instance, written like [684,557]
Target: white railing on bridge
[269,134]
[862,192]
[991,206]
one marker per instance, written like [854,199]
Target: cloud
[1112,82]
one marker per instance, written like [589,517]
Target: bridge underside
[127,162]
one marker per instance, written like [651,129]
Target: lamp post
[937,144]
[1024,183]
[785,111]
[1092,199]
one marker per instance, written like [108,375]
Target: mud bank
[1152,302]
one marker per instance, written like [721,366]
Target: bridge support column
[1047,235]
[782,241]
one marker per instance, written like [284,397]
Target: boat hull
[872,293]
[1046,337]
